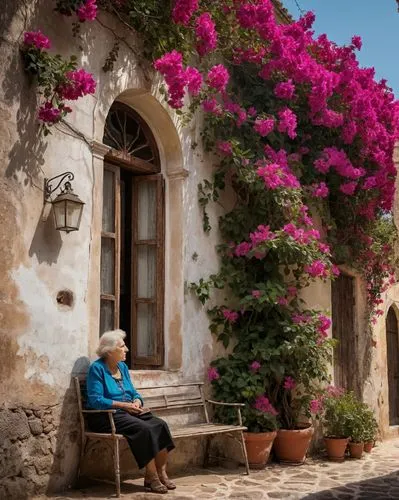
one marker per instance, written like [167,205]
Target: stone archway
[391,326]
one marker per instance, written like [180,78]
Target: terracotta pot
[356,450]
[291,446]
[336,448]
[259,445]
[368,446]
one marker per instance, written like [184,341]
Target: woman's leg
[160,462]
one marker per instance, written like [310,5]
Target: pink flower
[263,404]
[256,294]
[282,301]
[213,374]
[183,11]
[88,11]
[320,190]
[261,234]
[357,42]
[218,77]
[254,366]
[225,148]
[335,270]
[317,269]
[211,105]
[230,316]
[292,291]
[206,34]
[194,80]
[79,83]
[284,90]
[315,406]
[263,127]
[242,249]
[289,383]
[288,122]
[36,39]
[48,113]
[334,392]
[348,188]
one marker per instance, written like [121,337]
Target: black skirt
[147,435]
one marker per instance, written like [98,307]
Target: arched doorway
[391,324]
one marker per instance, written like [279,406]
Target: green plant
[340,414]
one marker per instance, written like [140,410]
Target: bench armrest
[98,411]
[110,416]
[224,404]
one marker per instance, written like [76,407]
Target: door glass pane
[109,201]
[106,315]
[147,205]
[146,330]
[108,266]
[146,266]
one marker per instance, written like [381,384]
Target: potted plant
[260,418]
[356,425]
[336,413]
[370,430]
[233,381]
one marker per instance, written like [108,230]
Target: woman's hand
[134,407]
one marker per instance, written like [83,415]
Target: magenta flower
[282,301]
[88,11]
[254,366]
[213,374]
[287,122]
[264,127]
[36,39]
[218,77]
[225,148]
[211,105]
[183,11]
[194,80]
[285,90]
[242,249]
[348,188]
[79,84]
[263,404]
[315,406]
[230,316]
[206,34]
[256,294]
[289,383]
[317,269]
[320,190]
[49,114]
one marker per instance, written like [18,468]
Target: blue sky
[376,21]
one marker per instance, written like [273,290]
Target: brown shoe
[155,486]
[168,483]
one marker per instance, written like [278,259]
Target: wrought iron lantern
[67,206]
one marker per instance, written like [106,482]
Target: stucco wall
[44,343]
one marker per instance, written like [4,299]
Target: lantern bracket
[49,190]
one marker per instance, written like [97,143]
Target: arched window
[132,244]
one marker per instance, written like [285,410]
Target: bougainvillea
[300,129]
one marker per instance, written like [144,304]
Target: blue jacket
[102,388]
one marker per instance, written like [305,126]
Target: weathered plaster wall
[43,342]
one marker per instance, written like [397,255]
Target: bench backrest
[163,398]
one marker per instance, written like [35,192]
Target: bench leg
[82,454]
[117,469]
[244,452]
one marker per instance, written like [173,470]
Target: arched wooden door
[391,324]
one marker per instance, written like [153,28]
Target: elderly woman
[109,387]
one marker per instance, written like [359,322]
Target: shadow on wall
[66,455]
[46,243]
[26,154]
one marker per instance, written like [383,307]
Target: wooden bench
[183,398]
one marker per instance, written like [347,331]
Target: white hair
[109,341]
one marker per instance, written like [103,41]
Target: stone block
[43,465]
[13,425]
[15,488]
[36,426]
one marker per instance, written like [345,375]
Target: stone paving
[374,477]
